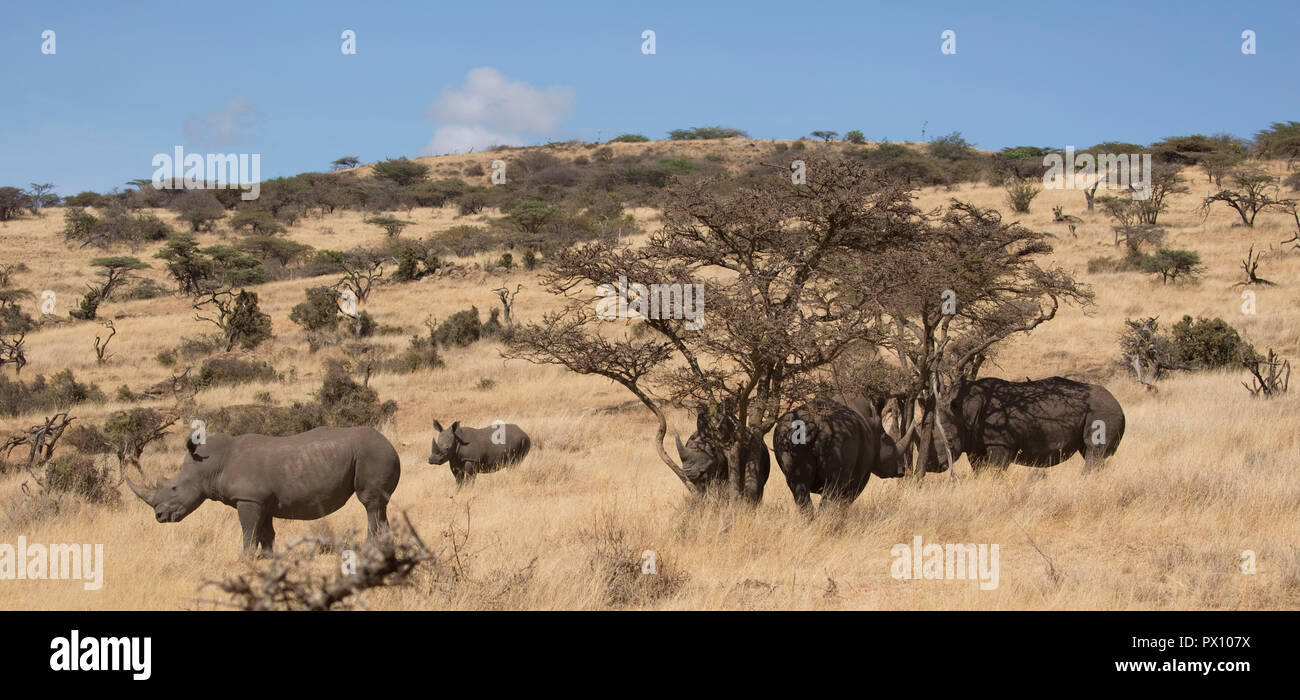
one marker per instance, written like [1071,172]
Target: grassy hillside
[1204,471]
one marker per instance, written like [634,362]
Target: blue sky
[132,79]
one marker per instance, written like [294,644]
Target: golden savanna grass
[1204,471]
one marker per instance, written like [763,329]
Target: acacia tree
[361,267]
[769,258]
[237,315]
[968,282]
[1253,194]
[114,272]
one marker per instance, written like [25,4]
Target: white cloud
[490,109]
[230,123]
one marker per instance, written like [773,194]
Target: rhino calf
[472,451]
[297,477]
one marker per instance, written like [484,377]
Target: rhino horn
[681,449]
[146,495]
[906,440]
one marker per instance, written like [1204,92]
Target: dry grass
[1204,471]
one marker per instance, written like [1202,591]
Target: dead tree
[1272,375]
[13,353]
[101,348]
[1251,266]
[507,298]
[291,582]
[41,440]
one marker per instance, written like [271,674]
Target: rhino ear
[702,423]
[191,446]
[455,433]
[437,426]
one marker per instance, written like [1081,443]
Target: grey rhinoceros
[471,451]
[1036,423]
[297,477]
[704,460]
[832,446]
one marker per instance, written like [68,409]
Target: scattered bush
[460,329]
[1173,264]
[1209,343]
[60,392]
[320,312]
[258,221]
[77,474]
[629,138]
[1020,194]
[422,353]
[471,203]
[233,369]
[705,132]
[401,171]
[466,240]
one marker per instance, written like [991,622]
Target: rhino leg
[465,474]
[376,503]
[266,534]
[802,499]
[251,519]
[1094,456]
[996,457]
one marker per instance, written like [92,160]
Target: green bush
[1020,194]
[77,474]
[401,171]
[705,132]
[247,325]
[422,353]
[259,221]
[192,348]
[532,216]
[229,369]
[466,240]
[629,138]
[855,137]
[320,312]
[88,307]
[146,289]
[1209,343]
[60,392]
[1172,264]
[341,401]
[471,203]
[460,329]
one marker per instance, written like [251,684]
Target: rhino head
[173,499]
[446,442]
[703,457]
[946,437]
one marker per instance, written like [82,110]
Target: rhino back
[835,453]
[483,450]
[1041,421]
[308,474]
